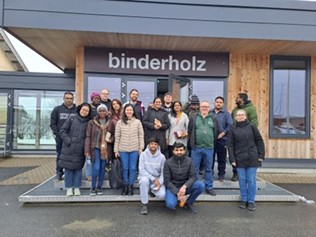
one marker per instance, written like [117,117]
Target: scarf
[103,144]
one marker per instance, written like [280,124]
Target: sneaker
[251,206]
[99,191]
[243,205]
[235,177]
[69,192]
[190,208]
[77,192]
[210,192]
[93,192]
[144,209]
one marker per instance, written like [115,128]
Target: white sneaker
[77,192]
[69,192]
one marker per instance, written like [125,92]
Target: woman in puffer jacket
[72,157]
[246,152]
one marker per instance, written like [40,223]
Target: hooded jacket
[251,112]
[73,134]
[151,165]
[245,145]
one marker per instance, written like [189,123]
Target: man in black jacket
[180,180]
[58,117]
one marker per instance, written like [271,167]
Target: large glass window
[290,93]
[31,126]
[97,83]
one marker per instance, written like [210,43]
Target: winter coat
[129,137]
[150,131]
[91,136]
[178,171]
[59,116]
[151,165]
[251,112]
[73,134]
[245,145]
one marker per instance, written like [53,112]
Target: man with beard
[138,106]
[58,117]
[242,102]
[180,180]
[224,120]
[150,177]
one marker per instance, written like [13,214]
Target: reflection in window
[31,124]
[290,99]
[146,89]
[96,84]
[208,90]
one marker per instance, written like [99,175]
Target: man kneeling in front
[150,178]
[180,181]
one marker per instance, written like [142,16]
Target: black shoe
[151,194]
[243,205]
[59,176]
[131,190]
[190,208]
[221,178]
[235,177]
[144,209]
[251,206]
[99,191]
[125,190]
[93,192]
[210,192]
[201,172]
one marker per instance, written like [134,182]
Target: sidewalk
[283,171]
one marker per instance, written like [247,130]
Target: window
[31,126]
[290,97]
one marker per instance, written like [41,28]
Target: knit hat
[194,100]
[94,94]
[243,96]
[102,106]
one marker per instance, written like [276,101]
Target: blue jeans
[73,178]
[221,154]
[194,191]
[247,183]
[204,155]
[129,163]
[98,169]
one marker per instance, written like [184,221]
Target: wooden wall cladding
[250,74]
[79,75]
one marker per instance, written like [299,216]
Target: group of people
[181,141]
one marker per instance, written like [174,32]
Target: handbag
[115,174]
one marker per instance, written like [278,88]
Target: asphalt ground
[123,219]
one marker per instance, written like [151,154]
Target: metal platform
[52,191]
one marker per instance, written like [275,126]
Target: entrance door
[5,122]
[179,87]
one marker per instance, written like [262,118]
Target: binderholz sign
[134,61]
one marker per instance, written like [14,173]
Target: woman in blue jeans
[96,148]
[246,152]
[129,144]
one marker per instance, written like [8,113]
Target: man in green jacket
[242,102]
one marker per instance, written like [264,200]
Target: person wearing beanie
[96,148]
[244,103]
[192,107]
[95,102]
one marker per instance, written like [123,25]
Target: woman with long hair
[128,145]
[179,122]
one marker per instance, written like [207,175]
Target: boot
[235,177]
[131,190]
[124,190]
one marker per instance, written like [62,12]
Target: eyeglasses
[240,115]
[204,106]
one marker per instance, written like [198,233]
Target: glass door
[5,122]
[179,87]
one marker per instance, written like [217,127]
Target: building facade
[264,48]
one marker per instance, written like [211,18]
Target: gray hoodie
[151,166]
